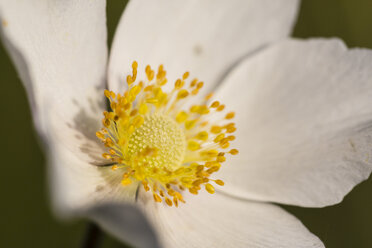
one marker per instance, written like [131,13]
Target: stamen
[152,140]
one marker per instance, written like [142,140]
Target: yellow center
[161,133]
[153,140]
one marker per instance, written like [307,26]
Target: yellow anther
[182,94]
[220,108]
[204,123]
[233,151]
[225,145]
[211,153]
[179,84]
[221,159]
[203,110]
[127,106]
[151,76]
[108,142]
[185,75]
[216,129]
[168,201]
[106,156]
[149,88]
[113,105]
[181,116]
[186,180]
[208,96]
[202,136]
[215,104]
[213,169]
[107,93]
[230,125]
[133,112]
[194,92]
[193,190]
[135,90]
[157,197]
[194,108]
[161,74]
[100,135]
[197,182]
[134,65]
[129,80]
[190,124]
[161,193]
[145,185]
[219,137]
[193,82]
[149,73]
[171,192]
[193,145]
[106,122]
[230,115]
[209,188]
[219,182]
[179,197]
[230,130]
[163,82]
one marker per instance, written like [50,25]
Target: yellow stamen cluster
[152,140]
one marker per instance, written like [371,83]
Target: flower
[152,140]
[303,113]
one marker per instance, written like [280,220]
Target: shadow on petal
[126,222]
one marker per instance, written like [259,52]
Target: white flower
[303,113]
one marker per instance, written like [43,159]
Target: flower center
[162,134]
[152,140]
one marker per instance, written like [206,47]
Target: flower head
[303,117]
[153,141]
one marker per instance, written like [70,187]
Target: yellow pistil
[152,140]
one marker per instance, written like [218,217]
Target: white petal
[204,37]
[77,186]
[60,51]
[220,221]
[304,121]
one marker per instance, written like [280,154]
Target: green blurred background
[26,219]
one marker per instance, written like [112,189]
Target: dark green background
[26,219]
